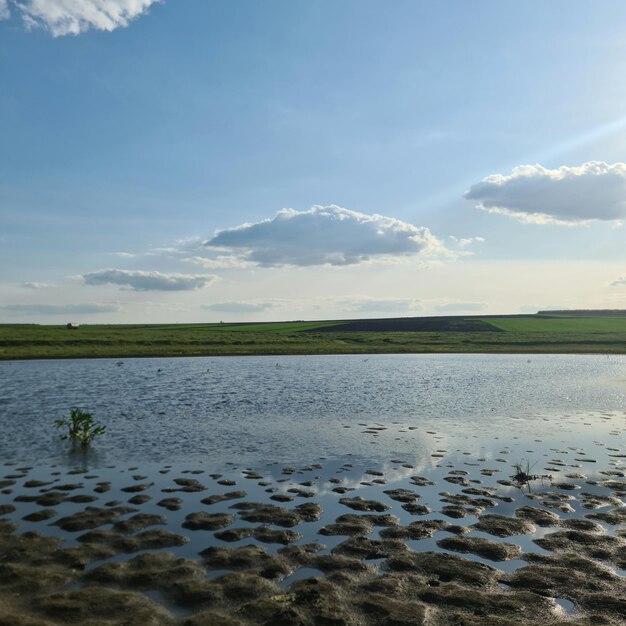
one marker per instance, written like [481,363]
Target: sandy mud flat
[451,539]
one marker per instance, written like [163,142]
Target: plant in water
[523,471]
[81,427]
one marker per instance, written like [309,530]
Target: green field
[489,334]
[559,324]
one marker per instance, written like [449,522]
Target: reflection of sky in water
[328,418]
[604,434]
[247,410]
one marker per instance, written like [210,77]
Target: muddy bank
[451,539]
[38,580]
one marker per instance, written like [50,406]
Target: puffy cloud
[138,280]
[240,307]
[325,235]
[620,281]
[460,307]
[57,309]
[567,195]
[71,17]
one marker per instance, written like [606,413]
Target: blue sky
[130,139]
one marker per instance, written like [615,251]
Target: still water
[297,408]
[324,430]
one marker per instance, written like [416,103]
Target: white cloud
[72,17]
[240,307]
[463,242]
[164,251]
[220,262]
[125,255]
[35,285]
[186,245]
[138,280]
[567,195]
[620,281]
[56,309]
[325,235]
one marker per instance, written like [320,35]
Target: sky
[235,160]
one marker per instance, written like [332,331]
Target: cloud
[325,235]
[240,307]
[463,242]
[567,195]
[57,309]
[382,305]
[460,307]
[138,280]
[72,17]
[186,245]
[125,255]
[620,281]
[165,251]
[35,285]
[220,262]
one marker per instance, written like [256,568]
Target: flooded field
[433,526]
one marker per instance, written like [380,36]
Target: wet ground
[446,537]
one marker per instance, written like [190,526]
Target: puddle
[567,605]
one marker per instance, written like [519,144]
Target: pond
[259,409]
[343,486]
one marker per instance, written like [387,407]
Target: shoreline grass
[494,335]
[378,343]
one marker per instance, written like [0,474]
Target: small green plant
[523,471]
[81,427]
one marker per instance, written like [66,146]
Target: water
[254,410]
[323,478]
[363,424]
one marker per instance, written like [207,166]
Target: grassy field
[559,324]
[517,334]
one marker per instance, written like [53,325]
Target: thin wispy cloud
[220,262]
[381,305]
[125,255]
[621,281]
[566,195]
[464,242]
[72,17]
[325,235]
[138,280]
[35,285]
[240,307]
[56,309]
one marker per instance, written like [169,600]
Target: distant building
[72,326]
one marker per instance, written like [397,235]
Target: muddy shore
[456,540]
